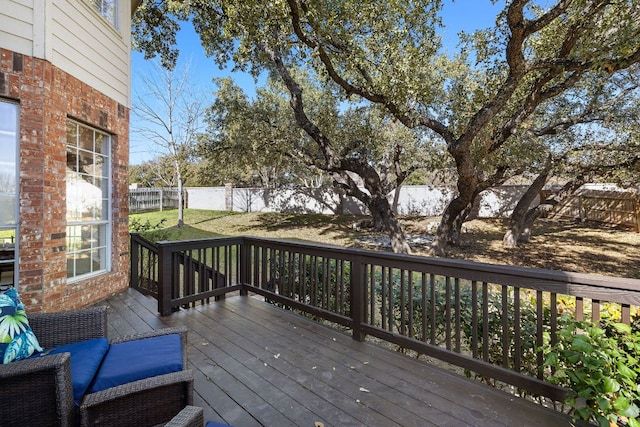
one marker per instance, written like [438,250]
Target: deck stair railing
[488,319]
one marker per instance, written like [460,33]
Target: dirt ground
[569,246]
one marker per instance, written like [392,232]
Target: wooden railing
[488,319]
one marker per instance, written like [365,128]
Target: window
[88,200]
[108,9]
[9,115]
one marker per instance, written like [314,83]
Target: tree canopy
[499,103]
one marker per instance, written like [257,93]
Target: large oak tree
[485,101]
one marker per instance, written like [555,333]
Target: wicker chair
[39,391]
[190,416]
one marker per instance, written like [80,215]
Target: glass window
[9,131]
[108,9]
[88,212]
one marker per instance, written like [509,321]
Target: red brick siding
[47,97]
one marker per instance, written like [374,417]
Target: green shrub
[150,231]
[600,367]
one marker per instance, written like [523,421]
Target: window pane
[72,134]
[88,203]
[101,144]
[9,114]
[108,9]
[74,205]
[99,166]
[83,263]
[86,240]
[73,238]
[85,162]
[72,160]
[71,265]
[8,151]
[85,142]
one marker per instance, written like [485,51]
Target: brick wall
[47,97]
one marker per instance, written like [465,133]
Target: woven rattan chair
[190,416]
[39,391]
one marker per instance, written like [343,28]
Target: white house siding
[86,46]
[16,26]
[74,38]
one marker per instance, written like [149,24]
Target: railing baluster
[625,314]
[423,288]
[314,280]
[485,321]
[447,312]
[505,326]
[595,311]
[390,315]
[539,330]
[579,308]
[474,319]
[326,282]
[342,288]
[432,309]
[553,308]
[517,333]
[458,326]
[403,303]
[410,300]
[372,295]
[383,300]
[302,282]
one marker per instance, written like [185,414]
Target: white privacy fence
[594,202]
[420,200]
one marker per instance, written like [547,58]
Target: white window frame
[103,223]
[13,245]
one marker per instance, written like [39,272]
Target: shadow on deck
[257,365]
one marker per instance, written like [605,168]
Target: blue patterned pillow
[17,340]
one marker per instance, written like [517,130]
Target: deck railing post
[245,264]
[164,280]
[134,276]
[357,280]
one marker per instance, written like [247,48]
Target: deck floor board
[258,365]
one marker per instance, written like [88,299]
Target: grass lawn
[569,246]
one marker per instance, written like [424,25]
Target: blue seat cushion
[139,359]
[86,357]
[216,424]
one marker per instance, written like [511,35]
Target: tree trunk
[548,205]
[456,226]
[522,217]
[180,200]
[396,198]
[455,213]
[447,228]
[386,219]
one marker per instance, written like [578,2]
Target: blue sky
[467,15]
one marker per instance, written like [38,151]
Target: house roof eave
[134,5]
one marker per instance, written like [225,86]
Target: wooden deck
[257,365]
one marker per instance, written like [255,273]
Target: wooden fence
[619,208]
[488,319]
[153,199]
